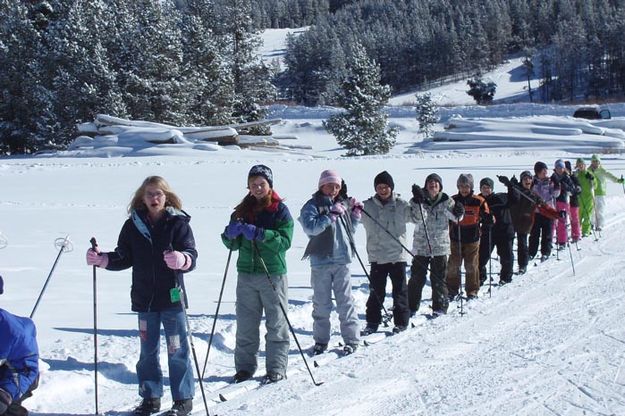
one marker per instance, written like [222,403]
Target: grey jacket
[393,216]
[437,215]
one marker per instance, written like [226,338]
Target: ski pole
[623,183]
[190,338]
[65,245]
[221,292]
[425,229]
[264,266]
[94,247]
[570,252]
[460,290]
[490,262]
[375,294]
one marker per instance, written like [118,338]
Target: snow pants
[586,210]
[541,232]
[600,205]
[505,253]
[522,250]
[325,280]
[438,279]
[181,381]
[576,231]
[562,235]
[469,253]
[397,273]
[255,294]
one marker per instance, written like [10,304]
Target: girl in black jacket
[157,242]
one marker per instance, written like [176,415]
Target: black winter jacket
[141,246]
[499,204]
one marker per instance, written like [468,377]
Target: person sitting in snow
[546,189]
[497,229]
[465,239]
[19,361]
[601,176]
[261,229]
[157,242]
[329,220]
[431,210]
[587,197]
[522,213]
[386,215]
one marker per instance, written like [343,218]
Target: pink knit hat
[329,176]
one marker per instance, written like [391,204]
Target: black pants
[541,231]
[397,273]
[438,279]
[522,250]
[505,252]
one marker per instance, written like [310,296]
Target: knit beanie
[385,178]
[526,174]
[329,176]
[595,157]
[539,166]
[559,164]
[488,182]
[580,160]
[465,179]
[434,177]
[262,171]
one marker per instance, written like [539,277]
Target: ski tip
[315,364]
[222,398]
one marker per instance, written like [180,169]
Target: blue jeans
[149,372]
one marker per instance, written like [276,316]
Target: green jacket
[601,176]
[277,222]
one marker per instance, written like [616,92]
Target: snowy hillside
[548,343]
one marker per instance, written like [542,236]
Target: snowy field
[547,344]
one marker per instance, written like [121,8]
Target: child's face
[527,182]
[486,190]
[331,189]
[383,191]
[464,189]
[542,174]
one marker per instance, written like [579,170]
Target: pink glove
[336,210]
[97,259]
[176,260]
[356,205]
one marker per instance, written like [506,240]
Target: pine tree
[482,92]
[362,128]
[427,113]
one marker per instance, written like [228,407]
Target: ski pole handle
[94,244]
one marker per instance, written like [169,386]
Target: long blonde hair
[171,199]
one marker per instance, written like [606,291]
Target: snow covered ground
[550,343]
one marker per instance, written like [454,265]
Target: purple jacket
[546,189]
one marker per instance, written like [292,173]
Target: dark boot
[180,408]
[147,407]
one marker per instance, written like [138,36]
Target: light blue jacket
[329,243]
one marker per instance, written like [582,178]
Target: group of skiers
[158,244]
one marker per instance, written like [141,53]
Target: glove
[336,210]
[5,401]
[343,191]
[504,180]
[458,209]
[562,214]
[418,194]
[621,180]
[175,260]
[589,176]
[357,208]
[488,219]
[96,259]
[514,180]
[252,232]
[578,190]
[233,230]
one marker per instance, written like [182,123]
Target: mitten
[458,209]
[418,194]
[356,204]
[176,260]
[252,232]
[97,259]
[504,180]
[621,180]
[233,230]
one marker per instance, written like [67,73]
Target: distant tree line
[575,47]
[186,62]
